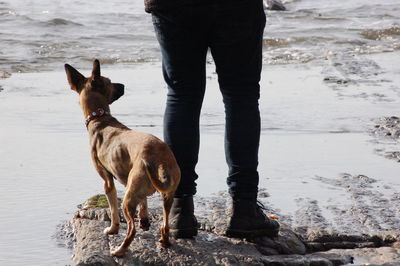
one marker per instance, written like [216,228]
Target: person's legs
[182,37]
[184,48]
[236,47]
[237,50]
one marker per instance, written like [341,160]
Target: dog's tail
[156,174]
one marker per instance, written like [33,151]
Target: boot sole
[252,233]
[183,233]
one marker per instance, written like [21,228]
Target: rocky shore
[294,245]
[388,129]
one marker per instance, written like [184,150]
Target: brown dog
[141,162]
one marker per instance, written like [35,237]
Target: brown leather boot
[182,222]
[248,220]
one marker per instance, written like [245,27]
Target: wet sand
[318,158]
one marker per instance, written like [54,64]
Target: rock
[4,75]
[388,126]
[396,244]
[308,260]
[64,235]
[287,242]
[96,201]
[94,214]
[210,247]
[262,193]
[336,80]
[274,5]
[91,245]
[369,256]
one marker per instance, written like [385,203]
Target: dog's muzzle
[118,91]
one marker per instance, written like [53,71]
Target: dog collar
[98,113]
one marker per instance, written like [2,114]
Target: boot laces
[260,205]
[260,208]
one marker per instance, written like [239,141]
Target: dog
[140,161]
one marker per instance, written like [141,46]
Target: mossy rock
[96,201]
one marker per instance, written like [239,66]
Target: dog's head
[94,84]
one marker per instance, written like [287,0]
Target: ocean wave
[326,18]
[289,57]
[381,34]
[9,15]
[60,22]
[282,41]
[111,61]
[375,49]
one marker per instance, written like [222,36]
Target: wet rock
[91,245]
[336,80]
[210,247]
[64,234]
[367,210]
[310,213]
[262,193]
[369,256]
[274,5]
[4,75]
[388,127]
[288,242]
[323,240]
[396,245]
[316,246]
[319,259]
[394,155]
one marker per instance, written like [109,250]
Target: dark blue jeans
[233,33]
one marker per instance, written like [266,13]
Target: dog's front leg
[111,194]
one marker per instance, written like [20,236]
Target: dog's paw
[111,230]
[119,252]
[144,224]
[164,243]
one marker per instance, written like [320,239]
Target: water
[329,71]
[38,35]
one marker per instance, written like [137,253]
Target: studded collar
[99,112]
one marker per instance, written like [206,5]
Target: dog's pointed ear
[75,79]
[96,69]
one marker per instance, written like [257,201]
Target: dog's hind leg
[144,216]
[129,205]
[168,199]
[111,194]
[131,200]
